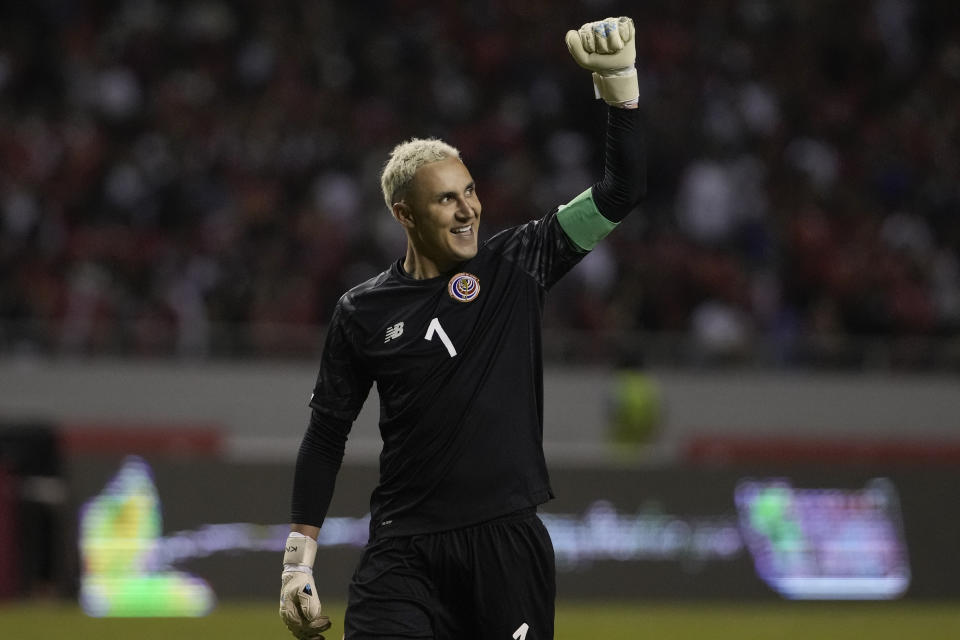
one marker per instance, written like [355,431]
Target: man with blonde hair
[450,333]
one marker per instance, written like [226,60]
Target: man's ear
[404,214]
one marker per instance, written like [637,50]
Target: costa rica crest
[464,287]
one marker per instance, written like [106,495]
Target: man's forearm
[624,181]
[315,474]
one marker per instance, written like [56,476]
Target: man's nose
[464,210]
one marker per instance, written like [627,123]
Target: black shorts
[491,581]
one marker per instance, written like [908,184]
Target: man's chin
[464,255]
[461,252]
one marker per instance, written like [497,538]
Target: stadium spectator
[185,177]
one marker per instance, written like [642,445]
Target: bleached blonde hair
[404,161]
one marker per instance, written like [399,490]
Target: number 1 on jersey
[435,328]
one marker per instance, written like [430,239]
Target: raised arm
[608,49]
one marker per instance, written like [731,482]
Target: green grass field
[580,621]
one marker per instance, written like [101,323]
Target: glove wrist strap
[297,568]
[299,550]
[617,89]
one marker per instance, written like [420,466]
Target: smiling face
[441,214]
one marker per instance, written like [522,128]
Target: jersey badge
[464,287]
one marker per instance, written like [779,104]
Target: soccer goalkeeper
[450,333]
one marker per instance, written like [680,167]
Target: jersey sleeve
[582,221]
[549,247]
[342,383]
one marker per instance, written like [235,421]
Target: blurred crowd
[201,177]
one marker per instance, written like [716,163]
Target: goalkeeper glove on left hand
[608,48]
[299,604]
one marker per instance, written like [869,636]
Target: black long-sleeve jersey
[457,363]
[457,360]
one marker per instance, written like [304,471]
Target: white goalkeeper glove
[299,604]
[608,48]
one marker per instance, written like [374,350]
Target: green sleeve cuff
[582,221]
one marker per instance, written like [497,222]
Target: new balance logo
[393,332]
